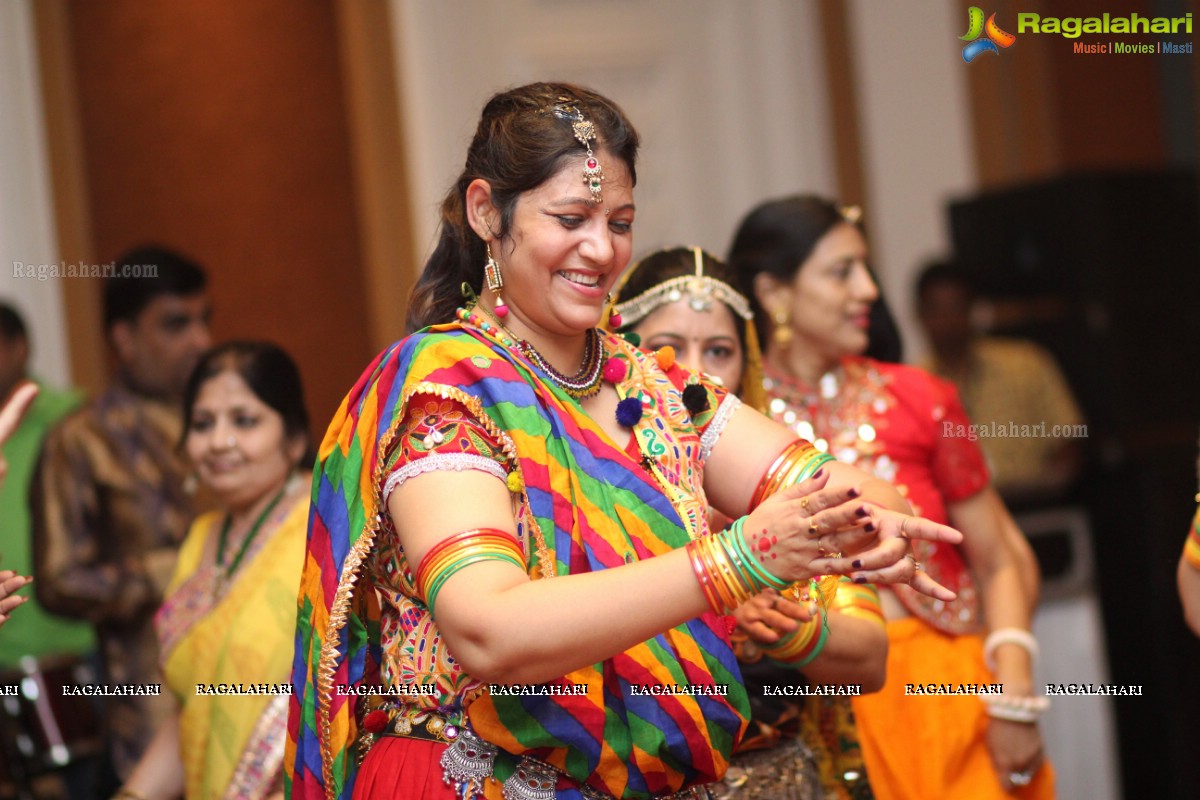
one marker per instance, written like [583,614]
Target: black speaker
[1118,254]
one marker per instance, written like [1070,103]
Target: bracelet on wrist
[1015,709]
[1191,548]
[801,646]
[726,569]
[1018,636]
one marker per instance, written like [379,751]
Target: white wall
[916,133]
[728,97]
[27,230]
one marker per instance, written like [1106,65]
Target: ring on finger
[903,533]
[916,564]
[812,526]
[804,503]
[1020,778]
[821,547]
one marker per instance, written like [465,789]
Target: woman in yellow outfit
[226,628]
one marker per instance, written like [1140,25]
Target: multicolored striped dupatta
[590,507]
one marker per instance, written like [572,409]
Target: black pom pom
[695,398]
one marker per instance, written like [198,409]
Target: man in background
[110,501]
[1001,381]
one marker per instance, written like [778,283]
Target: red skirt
[402,769]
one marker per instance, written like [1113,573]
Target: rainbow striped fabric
[590,505]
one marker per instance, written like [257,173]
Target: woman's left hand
[1016,751]
[890,560]
[768,615]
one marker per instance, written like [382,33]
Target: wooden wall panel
[220,129]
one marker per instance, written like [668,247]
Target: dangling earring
[491,273]
[782,335]
[614,316]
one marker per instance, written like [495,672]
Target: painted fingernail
[869,527]
[860,579]
[854,492]
[862,511]
[856,563]
[818,473]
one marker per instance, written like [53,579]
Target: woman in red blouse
[803,260]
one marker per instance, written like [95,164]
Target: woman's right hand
[796,533]
[9,583]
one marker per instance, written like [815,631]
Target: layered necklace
[583,384]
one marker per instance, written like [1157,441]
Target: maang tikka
[491,275]
[585,131]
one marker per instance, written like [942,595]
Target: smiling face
[706,341]
[829,299]
[564,253]
[238,443]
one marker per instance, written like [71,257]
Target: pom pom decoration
[614,320]
[695,398]
[633,338]
[375,721]
[629,411]
[514,482]
[665,356]
[615,370]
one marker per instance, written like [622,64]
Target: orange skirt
[933,746]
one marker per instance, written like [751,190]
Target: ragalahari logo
[995,37]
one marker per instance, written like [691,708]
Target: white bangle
[1017,636]
[1015,709]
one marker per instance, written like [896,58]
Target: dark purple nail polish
[860,579]
[862,511]
[818,473]
[856,563]
[854,492]
[869,527]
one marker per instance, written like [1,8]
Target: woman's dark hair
[269,372]
[522,139]
[884,342]
[661,266]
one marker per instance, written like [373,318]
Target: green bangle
[816,651]
[761,575]
[432,592]
[813,464]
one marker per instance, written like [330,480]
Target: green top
[31,630]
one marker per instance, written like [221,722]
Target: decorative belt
[468,762]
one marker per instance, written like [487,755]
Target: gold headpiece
[699,288]
[585,132]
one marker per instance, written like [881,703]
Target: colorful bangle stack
[727,571]
[802,645]
[798,461]
[461,550]
[1191,548]
[1015,709]
[858,600]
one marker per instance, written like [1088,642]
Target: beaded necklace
[224,573]
[583,384]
